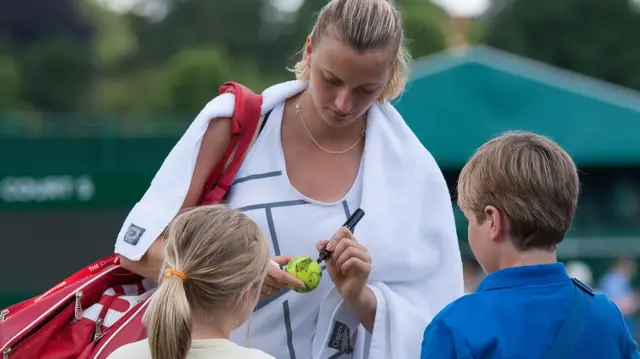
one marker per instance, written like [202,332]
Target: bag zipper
[3,314]
[78,306]
[100,346]
[77,309]
[98,331]
[52,312]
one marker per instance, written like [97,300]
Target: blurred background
[94,94]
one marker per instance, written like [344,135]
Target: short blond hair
[364,25]
[220,252]
[528,178]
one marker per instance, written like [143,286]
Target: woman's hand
[277,278]
[348,266]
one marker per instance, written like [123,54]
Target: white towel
[408,228]
[410,231]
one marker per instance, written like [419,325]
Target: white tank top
[284,326]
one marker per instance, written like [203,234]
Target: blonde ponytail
[168,320]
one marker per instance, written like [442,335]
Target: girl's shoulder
[224,348]
[257,354]
[235,351]
[140,350]
[137,350]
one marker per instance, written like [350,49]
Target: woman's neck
[322,132]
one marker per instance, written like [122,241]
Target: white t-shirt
[200,349]
[284,325]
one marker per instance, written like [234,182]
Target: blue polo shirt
[517,313]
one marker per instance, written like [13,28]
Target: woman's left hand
[348,265]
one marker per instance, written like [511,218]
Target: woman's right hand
[277,278]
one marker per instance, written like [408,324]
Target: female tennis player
[331,143]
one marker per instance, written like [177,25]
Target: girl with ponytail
[215,261]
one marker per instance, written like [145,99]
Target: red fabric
[46,326]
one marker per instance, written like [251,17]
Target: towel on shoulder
[409,230]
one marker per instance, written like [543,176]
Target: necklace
[299,112]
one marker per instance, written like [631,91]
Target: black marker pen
[351,223]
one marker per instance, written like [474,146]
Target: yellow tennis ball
[307,270]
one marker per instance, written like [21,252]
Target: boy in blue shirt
[519,193]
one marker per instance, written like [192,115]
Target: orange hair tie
[171,272]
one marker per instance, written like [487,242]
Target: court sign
[25,189]
[86,190]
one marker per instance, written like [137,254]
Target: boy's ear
[497,223]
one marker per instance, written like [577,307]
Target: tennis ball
[307,270]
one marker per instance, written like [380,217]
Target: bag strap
[571,332]
[245,120]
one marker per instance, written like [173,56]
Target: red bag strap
[245,120]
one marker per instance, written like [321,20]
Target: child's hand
[277,278]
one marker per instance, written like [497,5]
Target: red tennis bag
[69,321]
